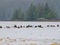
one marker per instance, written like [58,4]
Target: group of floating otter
[30,26]
[21,26]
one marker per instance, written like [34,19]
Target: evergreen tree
[18,15]
[48,12]
[31,12]
[39,11]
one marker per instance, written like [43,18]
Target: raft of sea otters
[29,26]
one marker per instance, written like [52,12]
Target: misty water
[26,36]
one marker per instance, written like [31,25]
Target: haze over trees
[34,12]
[18,15]
[7,7]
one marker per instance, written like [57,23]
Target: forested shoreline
[35,13]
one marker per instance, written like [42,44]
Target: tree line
[35,12]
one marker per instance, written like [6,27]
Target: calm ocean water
[45,35]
